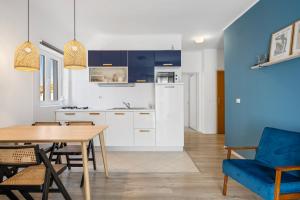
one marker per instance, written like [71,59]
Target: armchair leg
[225,185]
[277,185]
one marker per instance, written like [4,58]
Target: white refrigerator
[169,107]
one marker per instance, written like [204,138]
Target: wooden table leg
[103,152]
[87,192]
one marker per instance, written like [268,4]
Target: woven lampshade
[27,57]
[74,55]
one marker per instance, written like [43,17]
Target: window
[50,77]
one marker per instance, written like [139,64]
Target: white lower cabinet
[120,129]
[125,128]
[97,117]
[144,137]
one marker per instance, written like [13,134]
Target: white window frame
[50,54]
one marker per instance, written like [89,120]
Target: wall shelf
[267,64]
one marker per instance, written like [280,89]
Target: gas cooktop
[74,108]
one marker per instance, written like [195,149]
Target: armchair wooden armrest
[278,176]
[230,149]
[288,168]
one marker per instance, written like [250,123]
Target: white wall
[205,63]
[16,91]
[84,93]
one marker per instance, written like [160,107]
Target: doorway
[190,81]
[220,103]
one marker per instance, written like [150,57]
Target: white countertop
[105,110]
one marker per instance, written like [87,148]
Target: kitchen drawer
[97,117]
[144,119]
[69,116]
[144,137]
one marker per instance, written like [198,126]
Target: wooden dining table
[57,134]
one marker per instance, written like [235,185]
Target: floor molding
[236,154]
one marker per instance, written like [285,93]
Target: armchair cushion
[259,178]
[279,148]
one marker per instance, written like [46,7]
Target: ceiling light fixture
[27,57]
[199,40]
[74,51]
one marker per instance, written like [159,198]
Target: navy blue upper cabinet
[94,58]
[107,58]
[141,58]
[168,58]
[141,66]
[114,58]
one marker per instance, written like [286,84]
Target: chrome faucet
[127,104]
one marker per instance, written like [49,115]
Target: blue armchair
[274,174]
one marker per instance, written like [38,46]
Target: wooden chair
[36,174]
[70,151]
[48,148]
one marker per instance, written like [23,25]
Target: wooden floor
[206,152]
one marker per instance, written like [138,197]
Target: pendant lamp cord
[28,20]
[74,20]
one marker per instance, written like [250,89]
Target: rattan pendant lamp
[74,51]
[27,57]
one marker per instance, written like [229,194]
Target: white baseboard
[108,148]
[236,154]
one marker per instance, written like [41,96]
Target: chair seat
[31,176]
[259,178]
[69,149]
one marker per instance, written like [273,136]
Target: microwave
[167,75]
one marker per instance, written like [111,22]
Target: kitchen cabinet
[144,137]
[120,129]
[141,75]
[144,119]
[114,58]
[141,66]
[107,58]
[144,128]
[94,58]
[168,58]
[169,105]
[95,116]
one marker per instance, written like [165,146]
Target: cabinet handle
[107,64]
[69,113]
[119,113]
[144,131]
[144,113]
[168,64]
[94,113]
[141,81]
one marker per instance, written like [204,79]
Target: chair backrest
[22,156]
[80,123]
[279,148]
[46,124]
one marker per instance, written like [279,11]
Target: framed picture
[281,43]
[296,40]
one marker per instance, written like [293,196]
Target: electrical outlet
[238,100]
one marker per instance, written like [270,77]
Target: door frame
[197,97]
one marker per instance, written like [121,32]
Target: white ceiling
[189,18]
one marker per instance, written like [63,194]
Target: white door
[190,100]
[193,102]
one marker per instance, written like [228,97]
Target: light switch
[238,100]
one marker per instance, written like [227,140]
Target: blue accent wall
[269,96]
